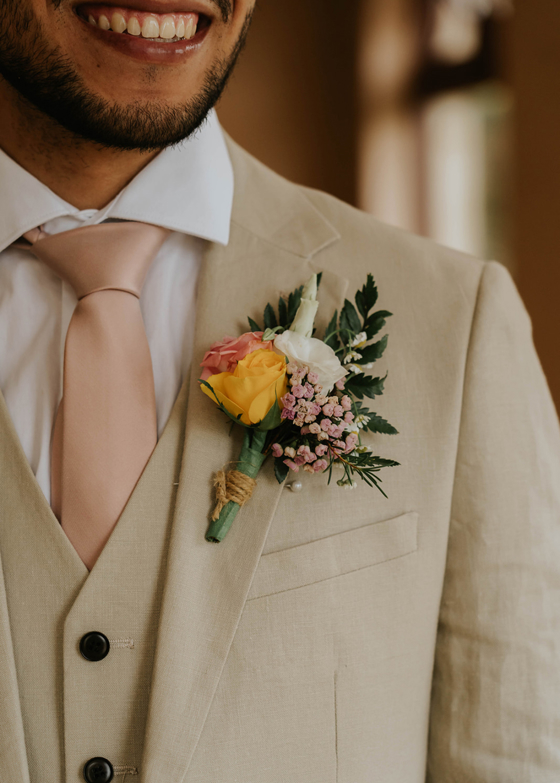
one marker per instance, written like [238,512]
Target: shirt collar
[186,188]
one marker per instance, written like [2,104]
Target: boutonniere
[300,399]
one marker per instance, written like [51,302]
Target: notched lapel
[207,584]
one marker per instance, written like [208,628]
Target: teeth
[167,28]
[150,28]
[118,23]
[171,28]
[134,26]
[190,29]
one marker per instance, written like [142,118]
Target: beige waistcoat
[73,709]
[333,636]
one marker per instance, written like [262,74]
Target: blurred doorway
[439,116]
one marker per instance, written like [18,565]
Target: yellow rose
[253,387]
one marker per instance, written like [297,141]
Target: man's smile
[127,74]
[162,27]
[144,33]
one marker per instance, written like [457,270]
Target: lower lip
[147,51]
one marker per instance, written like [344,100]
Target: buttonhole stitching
[122,643]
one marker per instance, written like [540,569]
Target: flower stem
[249,463]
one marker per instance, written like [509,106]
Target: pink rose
[223,356]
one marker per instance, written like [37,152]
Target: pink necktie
[105,428]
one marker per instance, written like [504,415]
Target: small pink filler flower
[223,356]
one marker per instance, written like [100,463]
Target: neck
[83,173]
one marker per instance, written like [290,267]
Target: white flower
[347,483]
[359,340]
[305,316]
[361,420]
[352,356]
[356,369]
[312,353]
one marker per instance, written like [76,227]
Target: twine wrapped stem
[235,487]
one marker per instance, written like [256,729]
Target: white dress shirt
[188,189]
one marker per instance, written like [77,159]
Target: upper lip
[160,6]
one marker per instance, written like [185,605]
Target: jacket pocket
[335,555]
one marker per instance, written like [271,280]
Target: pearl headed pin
[295,486]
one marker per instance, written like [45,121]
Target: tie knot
[105,256]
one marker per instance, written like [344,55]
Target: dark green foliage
[282,312]
[376,322]
[294,301]
[272,420]
[331,337]
[270,321]
[340,335]
[280,470]
[286,313]
[371,353]
[380,425]
[349,320]
[365,386]
[367,297]
[366,465]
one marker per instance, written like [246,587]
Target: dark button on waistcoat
[94,646]
[98,770]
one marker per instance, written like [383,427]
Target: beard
[48,80]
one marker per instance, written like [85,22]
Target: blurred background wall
[438,116]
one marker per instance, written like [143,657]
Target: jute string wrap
[232,486]
[235,487]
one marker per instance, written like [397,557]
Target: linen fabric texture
[333,636]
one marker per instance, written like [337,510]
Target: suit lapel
[207,584]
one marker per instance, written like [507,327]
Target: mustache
[225,7]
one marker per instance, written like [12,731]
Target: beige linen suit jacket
[337,636]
